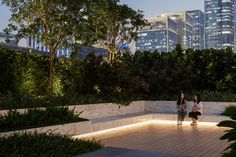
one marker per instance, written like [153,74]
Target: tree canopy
[114,24]
[61,24]
[44,21]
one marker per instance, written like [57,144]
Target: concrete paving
[121,152]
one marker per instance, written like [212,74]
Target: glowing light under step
[141,124]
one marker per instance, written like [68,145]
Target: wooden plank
[202,141]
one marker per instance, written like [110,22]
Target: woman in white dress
[196,110]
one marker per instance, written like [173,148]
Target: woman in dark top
[181,107]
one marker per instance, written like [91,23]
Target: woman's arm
[195,107]
[199,107]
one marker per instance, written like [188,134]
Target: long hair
[179,99]
[198,98]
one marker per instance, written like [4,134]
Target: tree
[77,21]
[114,24]
[178,50]
[42,20]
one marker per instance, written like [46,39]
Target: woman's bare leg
[179,119]
[195,121]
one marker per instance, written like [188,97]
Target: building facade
[166,31]
[185,28]
[161,35]
[83,51]
[219,23]
[36,45]
[234,25]
[198,23]
[11,39]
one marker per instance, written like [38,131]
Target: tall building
[83,51]
[36,45]
[185,28]
[198,22]
[165,31]
[11,39]
[219,23]
[235,25]
[160,35]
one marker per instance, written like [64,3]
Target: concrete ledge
[103,110]
[117,121]
[99,124]
[68,129]
[202,118]
[92,111]
[169,107]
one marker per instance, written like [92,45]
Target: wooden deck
[196,141]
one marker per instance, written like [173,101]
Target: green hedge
[23,72]
[45,145]
[33,118]
[157,76]
[10,102]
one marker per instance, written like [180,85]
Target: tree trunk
[110,56]
[113,56]
[74,53]
[52,70]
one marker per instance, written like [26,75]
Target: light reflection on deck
[197,141]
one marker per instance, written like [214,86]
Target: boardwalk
[196,141]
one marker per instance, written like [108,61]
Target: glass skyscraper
[198,40]
[185,28]
[235,25]
[160,35]
[166,31]
[219,23]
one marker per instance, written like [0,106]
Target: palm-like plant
[230,135]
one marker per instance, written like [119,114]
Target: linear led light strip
[141,124]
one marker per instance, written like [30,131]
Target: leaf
[230,135]
[227,123]
[231,112]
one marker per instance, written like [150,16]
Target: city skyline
[151,8]
[166,31]
[219,24]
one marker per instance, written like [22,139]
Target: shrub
[230,111]
[45,145]
[230,135]
[152,76]
[14,120]
[11,102]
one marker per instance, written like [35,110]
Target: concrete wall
[146,110]
[109,109]
[209,108]
[94,111]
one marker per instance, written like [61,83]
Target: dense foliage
[58,24]
[33,118]
[147,75]
[45,145]
[230,135]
